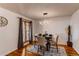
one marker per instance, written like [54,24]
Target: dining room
[39,29]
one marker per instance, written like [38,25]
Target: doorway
[27,32]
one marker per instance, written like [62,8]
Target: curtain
[20,36]
[30,32]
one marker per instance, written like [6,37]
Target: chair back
[57,39]
[41,41]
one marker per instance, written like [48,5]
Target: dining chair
[41,44]
[36,39]
[54,44]
[51,37]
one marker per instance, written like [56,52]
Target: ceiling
[36,10]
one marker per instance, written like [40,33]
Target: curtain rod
[24,20]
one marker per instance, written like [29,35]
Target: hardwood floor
[69,50]
[20,52]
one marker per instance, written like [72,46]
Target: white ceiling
[36,10]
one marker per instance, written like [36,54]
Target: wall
[54,25]
[75,30]
[9,33]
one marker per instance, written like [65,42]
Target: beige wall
[54,25]
[75,30]
[9,33]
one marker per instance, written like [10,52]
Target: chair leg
[38,49]
[57,48]
[43,51]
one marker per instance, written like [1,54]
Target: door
[27,31]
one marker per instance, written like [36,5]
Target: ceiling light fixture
[45,13]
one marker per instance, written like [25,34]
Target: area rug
[52,52]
